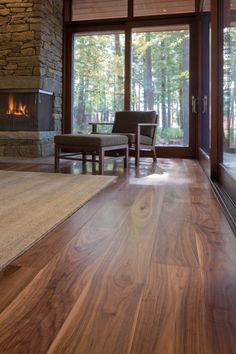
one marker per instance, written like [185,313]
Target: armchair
[139,127]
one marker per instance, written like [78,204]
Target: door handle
[194,104]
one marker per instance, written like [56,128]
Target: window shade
[162,7]
[98,9]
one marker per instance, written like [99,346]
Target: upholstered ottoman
[92,144]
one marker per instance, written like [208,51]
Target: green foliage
[170,133]
[229,88]
[98,78]
[160,75]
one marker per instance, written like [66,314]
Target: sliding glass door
[139,68]
[160,79]
[227,145]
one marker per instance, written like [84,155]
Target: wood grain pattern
[169,320]
[147,266]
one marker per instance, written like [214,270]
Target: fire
[16,110]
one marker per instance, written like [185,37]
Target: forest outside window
[98,84]
[160,79]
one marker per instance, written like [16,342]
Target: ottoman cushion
[93,140]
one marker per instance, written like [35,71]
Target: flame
[13,109]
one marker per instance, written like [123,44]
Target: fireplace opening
[22,110]
[16,108]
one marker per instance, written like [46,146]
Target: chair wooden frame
[137,146]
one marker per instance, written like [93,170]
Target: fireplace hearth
[26,110]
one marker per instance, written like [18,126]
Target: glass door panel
[98,79]
[205,105]
[160,79]
[229,92]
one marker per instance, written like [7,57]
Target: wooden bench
[90,144]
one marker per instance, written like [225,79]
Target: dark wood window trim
[67,10]
[223,184]
[216,87]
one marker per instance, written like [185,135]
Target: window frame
[126,25]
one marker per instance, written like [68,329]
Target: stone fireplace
[31,47]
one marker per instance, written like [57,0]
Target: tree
[148,85]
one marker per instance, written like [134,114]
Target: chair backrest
[126,122]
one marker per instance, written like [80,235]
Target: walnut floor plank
[172,316]
[147,266]
[175,243]
[116,289]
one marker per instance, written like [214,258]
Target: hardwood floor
[147,266]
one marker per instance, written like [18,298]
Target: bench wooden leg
[126,158]
[137,151]
[154,154]
[93,157]
[56,158]
[137,157]
[84,158]
[101,161]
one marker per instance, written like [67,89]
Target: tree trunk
[169,103]
[180,111]
[81,104]
[163,87]
[148,85]
[184,119]
[119,98]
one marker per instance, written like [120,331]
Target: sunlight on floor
[153,179]
[156,179]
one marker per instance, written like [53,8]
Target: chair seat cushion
[93,140]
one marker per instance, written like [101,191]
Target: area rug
[33,203]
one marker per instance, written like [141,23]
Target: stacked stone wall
[31,47]
[20,36]
[51,53]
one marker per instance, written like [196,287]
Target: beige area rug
[33,203]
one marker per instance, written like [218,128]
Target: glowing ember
[16,110]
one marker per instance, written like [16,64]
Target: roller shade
[98,9]
[162,7]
